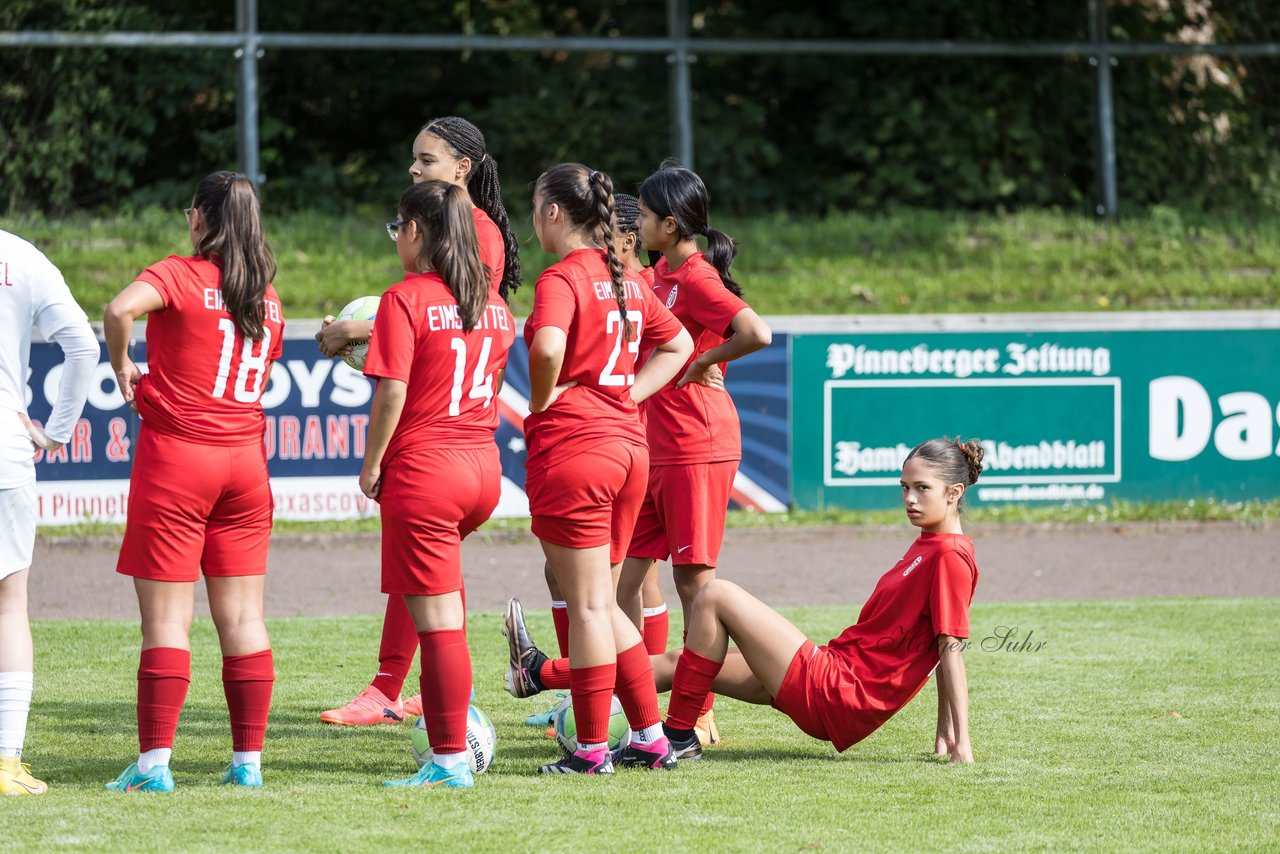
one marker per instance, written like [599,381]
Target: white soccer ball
[566,727]
[482,738]
[360,308]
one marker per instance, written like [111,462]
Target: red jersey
[493,251]
[891,650]
[694,424]
[204,381]
[418,339]
[576,295]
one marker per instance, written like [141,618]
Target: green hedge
[111,128]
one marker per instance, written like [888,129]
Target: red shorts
[196,507]
[795,700]
[682,517]
[590,499]
[430,501]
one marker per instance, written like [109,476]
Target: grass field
[898,262]
[1139,725]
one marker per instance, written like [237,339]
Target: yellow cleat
[707,731]
[16,779]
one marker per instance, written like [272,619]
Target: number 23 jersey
[204,380]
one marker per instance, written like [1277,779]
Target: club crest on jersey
[914,564]
[671,297]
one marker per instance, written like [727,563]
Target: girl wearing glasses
[199,498]
[438,351]
[452,150]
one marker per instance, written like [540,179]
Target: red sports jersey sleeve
[645,273]
[693,423]
[418,338]
[492,249]
[953,584]
[577,295]
[204,380]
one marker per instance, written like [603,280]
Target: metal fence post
[1104,146]
[247,90]
[681,85]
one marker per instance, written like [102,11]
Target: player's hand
[708,375]
[332,337]
[559,390]
[128,378]
[371,481]
[37,434]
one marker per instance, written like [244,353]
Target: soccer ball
[481,740]
[566,728]
[360,308]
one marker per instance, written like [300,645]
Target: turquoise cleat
[432,775]
[547,718]
[158,779]
[247,775]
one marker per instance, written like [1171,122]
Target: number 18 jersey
[204,380]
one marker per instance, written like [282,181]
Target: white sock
[559,603]
[648,735]
[653,612]
[449,761]
[592,748]
[149,759]
[246,757]
[15,705]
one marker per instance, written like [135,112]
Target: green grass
[899,262]
[1115,512]
[1140,725]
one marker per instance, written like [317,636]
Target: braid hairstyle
[449,244]
[228,204]
[953,460]
[679,193]
[627,211]
[465,140]
[586,197]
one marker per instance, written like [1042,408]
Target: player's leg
[766,641]
[380,701]
[17,678]
[248,670]
[656,619]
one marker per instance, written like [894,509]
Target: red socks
[592,690]
[247,681]
[398,646]
[164,674]
[656,628]
[634,688]
[689,689]
[446,688]
[555,674]
[560,617]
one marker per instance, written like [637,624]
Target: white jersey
[33,293]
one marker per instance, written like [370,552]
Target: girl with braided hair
[588,459]
[916,621]
[449,149]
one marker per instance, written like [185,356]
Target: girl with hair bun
[199,497]
[588,460]
[449,149]
[915,621]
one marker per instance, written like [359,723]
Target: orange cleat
[706,730]
[370,707]
[413,706]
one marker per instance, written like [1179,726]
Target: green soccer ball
[567,729]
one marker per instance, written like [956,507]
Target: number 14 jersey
[204,380]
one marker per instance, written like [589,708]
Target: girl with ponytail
[452,150]
[916,620]
[199,497]
[695,441]
[438,351]
[588,460]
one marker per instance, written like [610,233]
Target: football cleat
[657,755]
[370,707]
[432,775]
[524,660]
[158,779]
[247,775]
[706,730]
[599,762]
[684,744]
[413,705]
[16,779]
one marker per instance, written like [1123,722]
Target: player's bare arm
[336,335]
[546,358]
[750,333]
[955,685]
[658,370]
[388,404]
[131,303]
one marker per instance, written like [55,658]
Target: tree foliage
[92,127]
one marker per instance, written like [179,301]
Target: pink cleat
[370,707]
